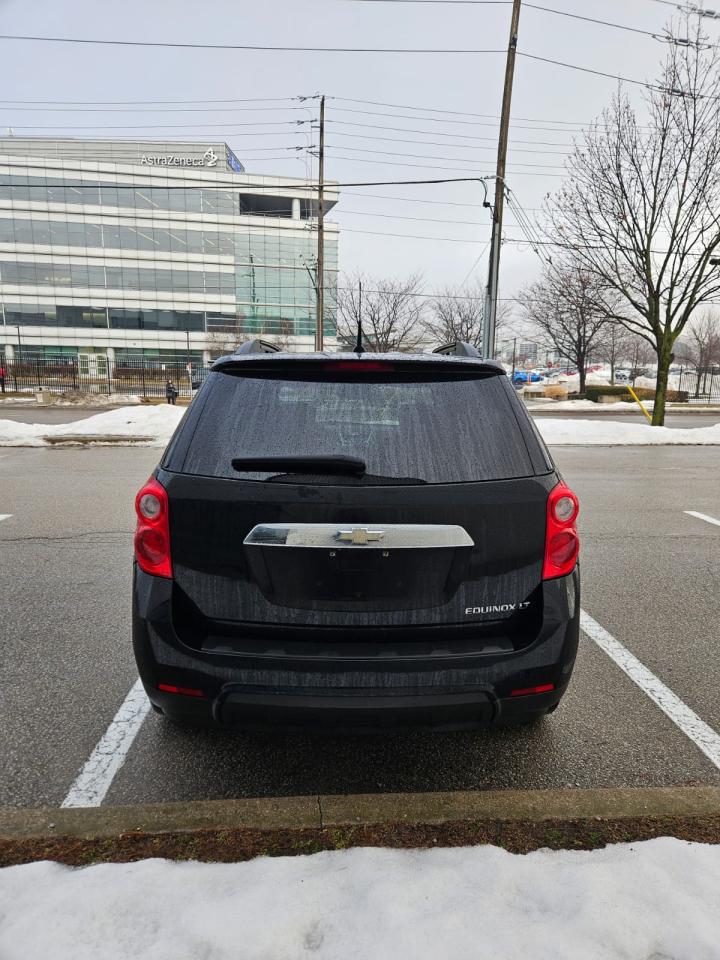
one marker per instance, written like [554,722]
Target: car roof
[284,358]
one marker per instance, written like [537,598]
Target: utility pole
[496,237]
[512,375]
[359,348]
[320,233]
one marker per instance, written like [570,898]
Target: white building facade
[153,250]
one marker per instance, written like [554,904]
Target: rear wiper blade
[328,464]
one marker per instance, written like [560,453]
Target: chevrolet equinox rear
[356,541]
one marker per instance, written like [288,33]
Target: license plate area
[326,567]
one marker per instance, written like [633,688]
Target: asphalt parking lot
[650,578]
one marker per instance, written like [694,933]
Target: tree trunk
[664,357]
[582,375]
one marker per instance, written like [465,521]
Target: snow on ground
[79,398]
[156,423]
[657,900]
[540,403]
[563,432]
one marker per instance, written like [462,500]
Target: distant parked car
[526,376]
[622,376]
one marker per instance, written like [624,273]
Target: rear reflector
[526,691]
[184,691]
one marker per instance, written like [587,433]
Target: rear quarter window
[424,426]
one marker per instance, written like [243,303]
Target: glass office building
[156,250]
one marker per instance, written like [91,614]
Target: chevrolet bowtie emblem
[359,535]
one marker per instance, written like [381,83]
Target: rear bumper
[438,691]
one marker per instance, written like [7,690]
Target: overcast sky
[550,103]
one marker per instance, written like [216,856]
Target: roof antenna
[359,348]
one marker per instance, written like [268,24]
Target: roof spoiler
[458,348]
[256,346]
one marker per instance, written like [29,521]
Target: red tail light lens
[152,534]
[366,366]
[562,544]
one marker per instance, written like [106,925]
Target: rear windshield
[408,428]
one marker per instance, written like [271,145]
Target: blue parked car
[530,377]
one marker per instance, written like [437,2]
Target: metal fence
[94,373]
[702,385]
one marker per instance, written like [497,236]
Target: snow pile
[611,433]
[541,403]
[652,900]
[80,398]
[153,423]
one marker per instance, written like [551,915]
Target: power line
[471,123]
[427,156]
[597,73]
[435,133]
[239,46]
[429,166]
[410,236]
[133,103]
[526,5]
[442,203]
[204,110]
[435,143]
[459,113]
[298,183]
[223,125]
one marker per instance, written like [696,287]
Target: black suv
[356,541]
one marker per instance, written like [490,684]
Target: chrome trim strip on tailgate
[389,536]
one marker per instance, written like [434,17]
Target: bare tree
[456,313]
[391,312]
[701,347]
[563,306]
[613,346]
[641,210]
[640,354]
[224,337]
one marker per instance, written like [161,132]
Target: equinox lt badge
[359,535]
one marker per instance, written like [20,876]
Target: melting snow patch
[610,433]
[154,423]
[658,899]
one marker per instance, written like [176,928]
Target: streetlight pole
[498,208]
[320,233]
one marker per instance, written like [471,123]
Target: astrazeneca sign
[208,159]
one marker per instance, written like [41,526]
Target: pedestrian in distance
[2,378]
[171,392]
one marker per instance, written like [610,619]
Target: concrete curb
[319,811]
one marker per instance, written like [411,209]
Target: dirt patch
[231,846]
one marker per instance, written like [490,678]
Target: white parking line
[5,516]
[98,773]
[703,516]
[702,735]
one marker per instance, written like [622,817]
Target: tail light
[562,544]
[152,535]
[366,366]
